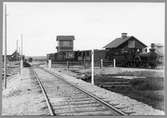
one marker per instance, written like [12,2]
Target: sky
[94,25]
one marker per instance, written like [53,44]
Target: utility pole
[5,55]
[19,60]
[21,53]
[92,80]
[17,50]
[17,45]
[22,45]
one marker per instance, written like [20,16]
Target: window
[131,44]
[65,44]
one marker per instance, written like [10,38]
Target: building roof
[118,41]
[62,37]
[15,53]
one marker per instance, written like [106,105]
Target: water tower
[65,43]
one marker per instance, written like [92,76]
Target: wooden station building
[124,45]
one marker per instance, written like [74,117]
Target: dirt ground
[22,96]
[23,93]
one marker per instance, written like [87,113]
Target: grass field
[144,86]
[149,90]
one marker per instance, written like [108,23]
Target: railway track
[64,98]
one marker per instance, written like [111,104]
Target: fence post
[114,63]
[67,65]
[92,80]
[101,63]
[21,66]
[50,64]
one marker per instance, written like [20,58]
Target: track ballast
[64,98]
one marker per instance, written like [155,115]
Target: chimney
[153,45]
[152,49]
[124,35]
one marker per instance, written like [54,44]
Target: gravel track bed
[67,100]
[124,103]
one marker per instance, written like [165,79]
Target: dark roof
[15,53]
[118,41]
[65,37]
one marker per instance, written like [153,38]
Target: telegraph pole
[17,46]
[21,53]
[22,44]
[19,60]
[5,55]
[92,80]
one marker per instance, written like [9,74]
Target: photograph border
[1,46]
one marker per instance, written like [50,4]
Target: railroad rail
[78,102]
[51,111]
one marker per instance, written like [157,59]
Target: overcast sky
[93,24]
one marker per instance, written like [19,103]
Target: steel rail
[102,102]
[51,111]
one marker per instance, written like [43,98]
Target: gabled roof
[62,37]
[118,41]
[15,53]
